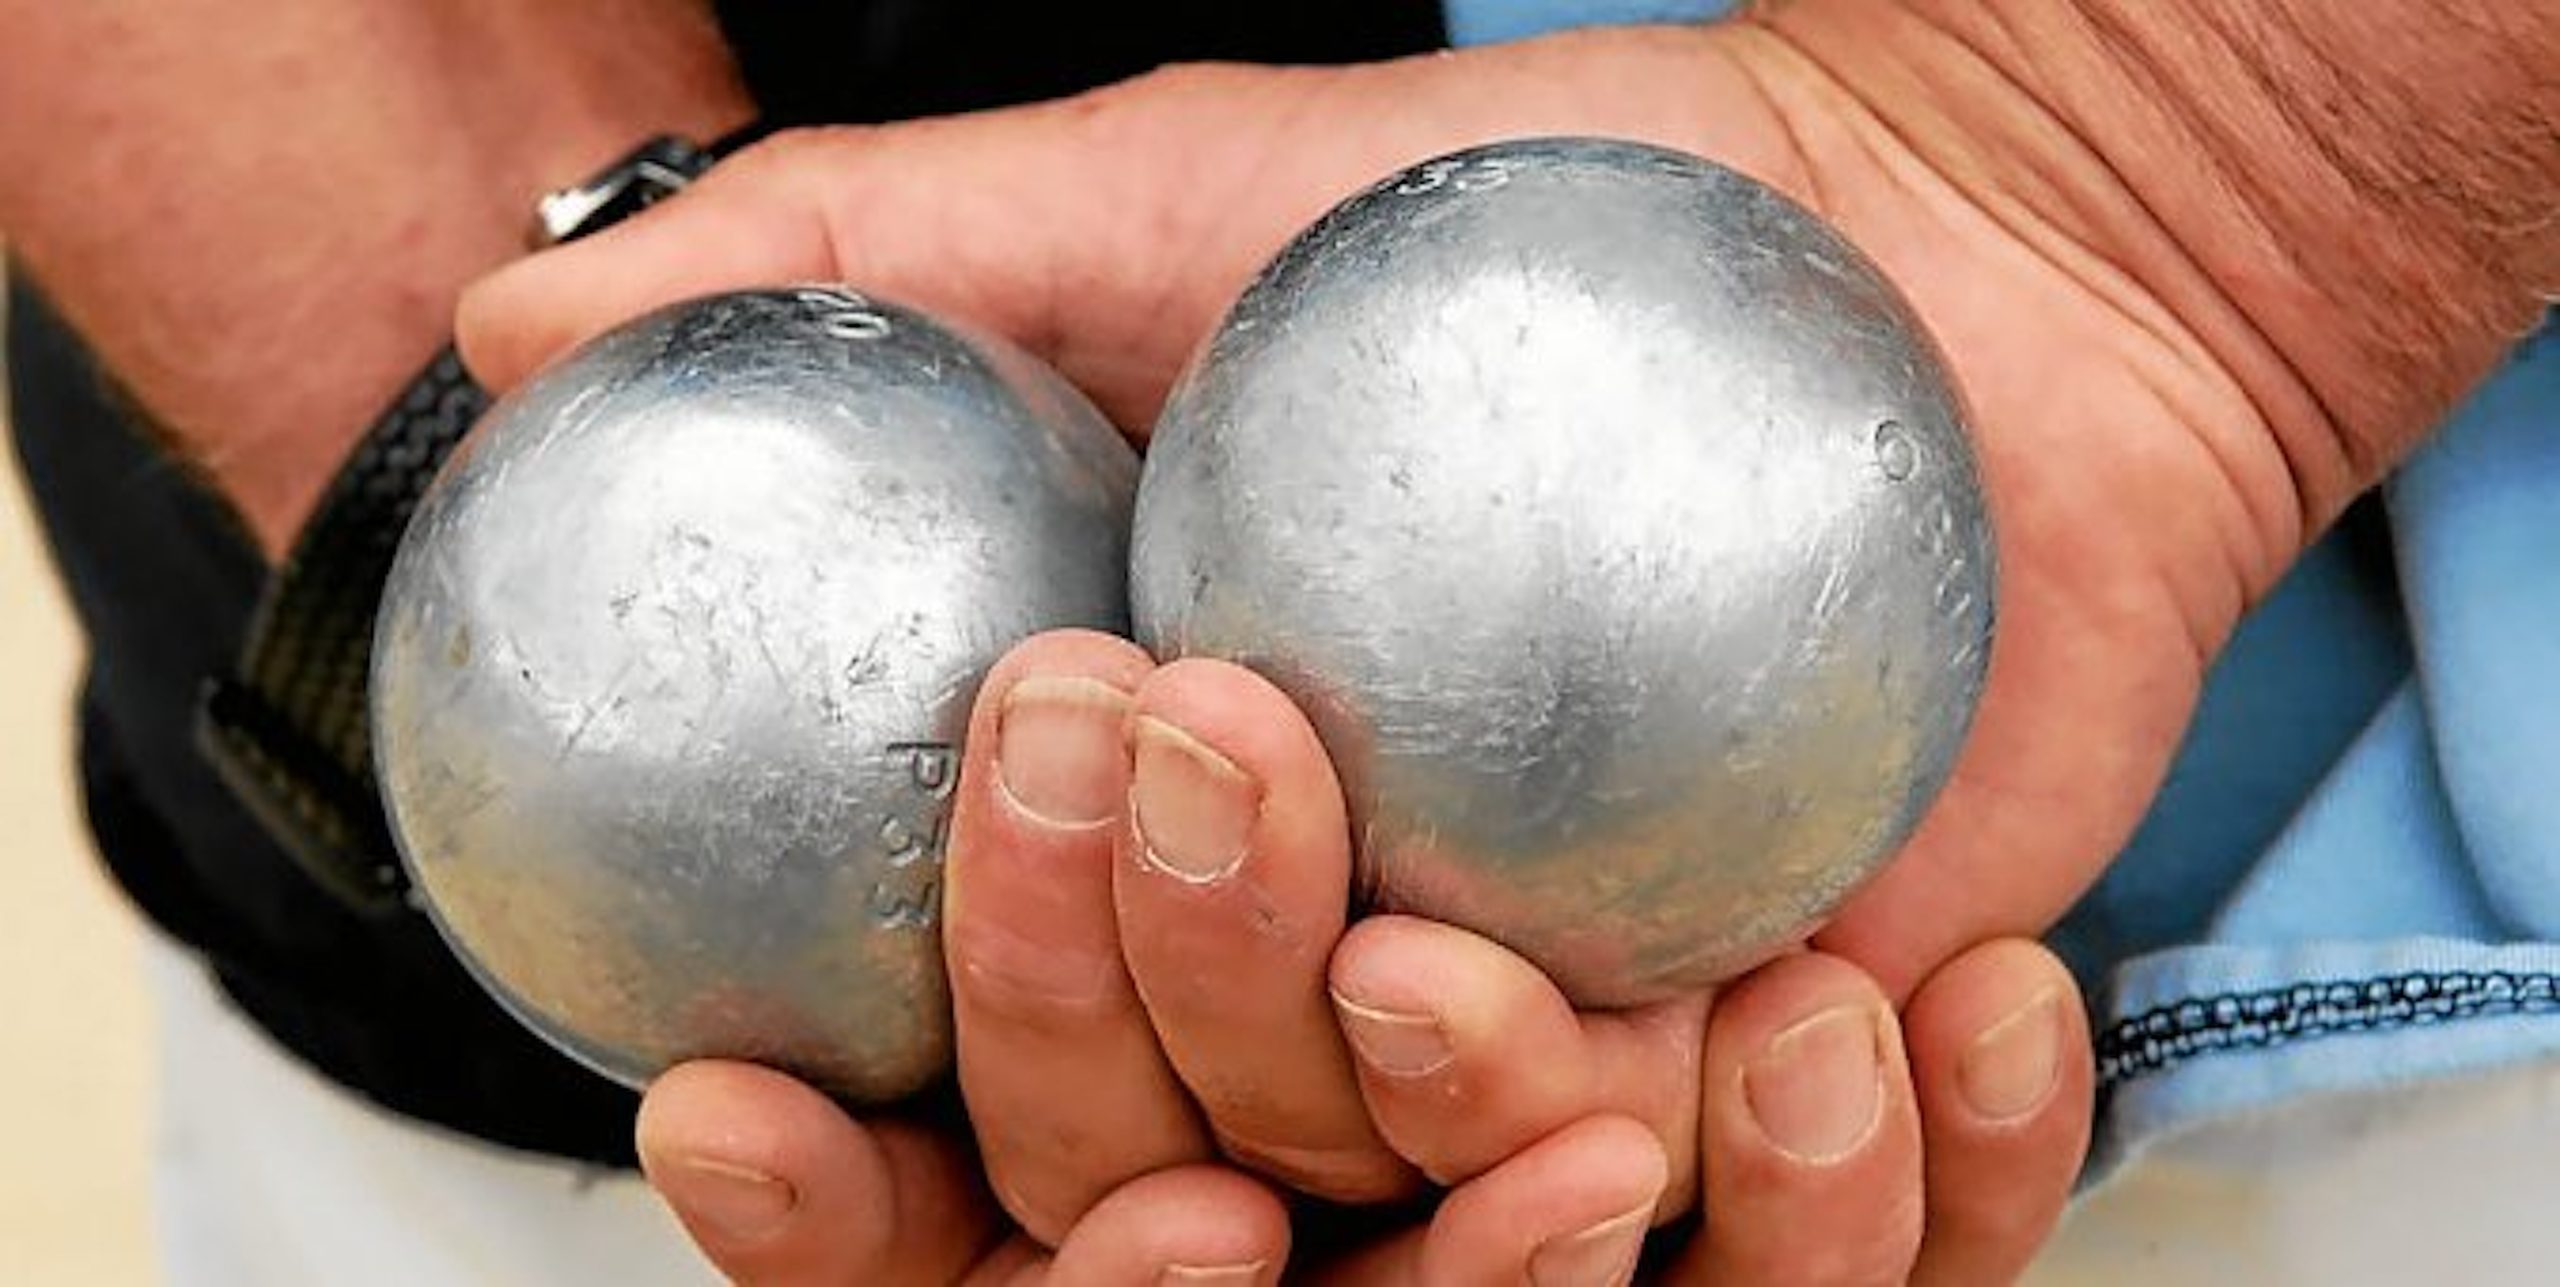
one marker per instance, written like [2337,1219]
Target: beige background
[74,1047]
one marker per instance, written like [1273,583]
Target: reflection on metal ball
[1615,522]
[672,670]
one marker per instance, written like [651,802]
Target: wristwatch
[286,730]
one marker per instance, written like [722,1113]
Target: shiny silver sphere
[1614,522]
[673,667]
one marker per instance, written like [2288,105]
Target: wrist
[600,82]
[555,99]
[2350,270]
[261,226]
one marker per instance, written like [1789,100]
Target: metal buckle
[648,174]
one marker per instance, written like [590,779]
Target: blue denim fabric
[2352,876]
[2414,888]
[1485,22]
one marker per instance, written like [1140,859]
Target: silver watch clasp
[649,173]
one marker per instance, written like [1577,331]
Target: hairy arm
[2354,207]
[261,215]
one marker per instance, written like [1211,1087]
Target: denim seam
[2164,1036]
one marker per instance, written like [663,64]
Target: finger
[1467,1053]
[1571,1210]
[2001,1059]
[777,1186]
[1191,1224]
[1809,1135]
[1067,1091]
[933,214]
[779,213]
[1104,232]
[1231,888]
[748,223]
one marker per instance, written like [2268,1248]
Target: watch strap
[287,730]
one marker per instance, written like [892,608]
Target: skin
[2237,357]
[1074,964]
[2209,434]
[262,277]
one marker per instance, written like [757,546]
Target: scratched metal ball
[1615,523]
[673,668]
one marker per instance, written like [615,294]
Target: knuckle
[1041,987]
[1991,1221]
[1360,1173]
[782,152]
[1041,1209]
[1204,80]
[1880,1254]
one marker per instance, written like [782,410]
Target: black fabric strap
[287,731]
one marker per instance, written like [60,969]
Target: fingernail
[1398,1043]
[2010,1070]
[1194,810]
[1207,1275]
[1603,1255]
[1817,1090]
[737,1203]
[1058,754]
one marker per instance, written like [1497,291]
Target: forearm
[260,216]
[2350,205]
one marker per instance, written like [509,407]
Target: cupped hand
[1145,928]
[1144,919]
[2139,496]
[778,1188]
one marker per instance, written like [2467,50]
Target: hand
[1144,926]
[1147,979]
[1823,1138]
[1107,232]
[2140,497]
[778,1186]
[1103,1069]
[1096,1130]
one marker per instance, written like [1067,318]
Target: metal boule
[672,671]
[1614,521]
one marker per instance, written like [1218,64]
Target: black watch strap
[287,729]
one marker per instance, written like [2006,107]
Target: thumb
[776,1185]
[1106,232]
[1088,230]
